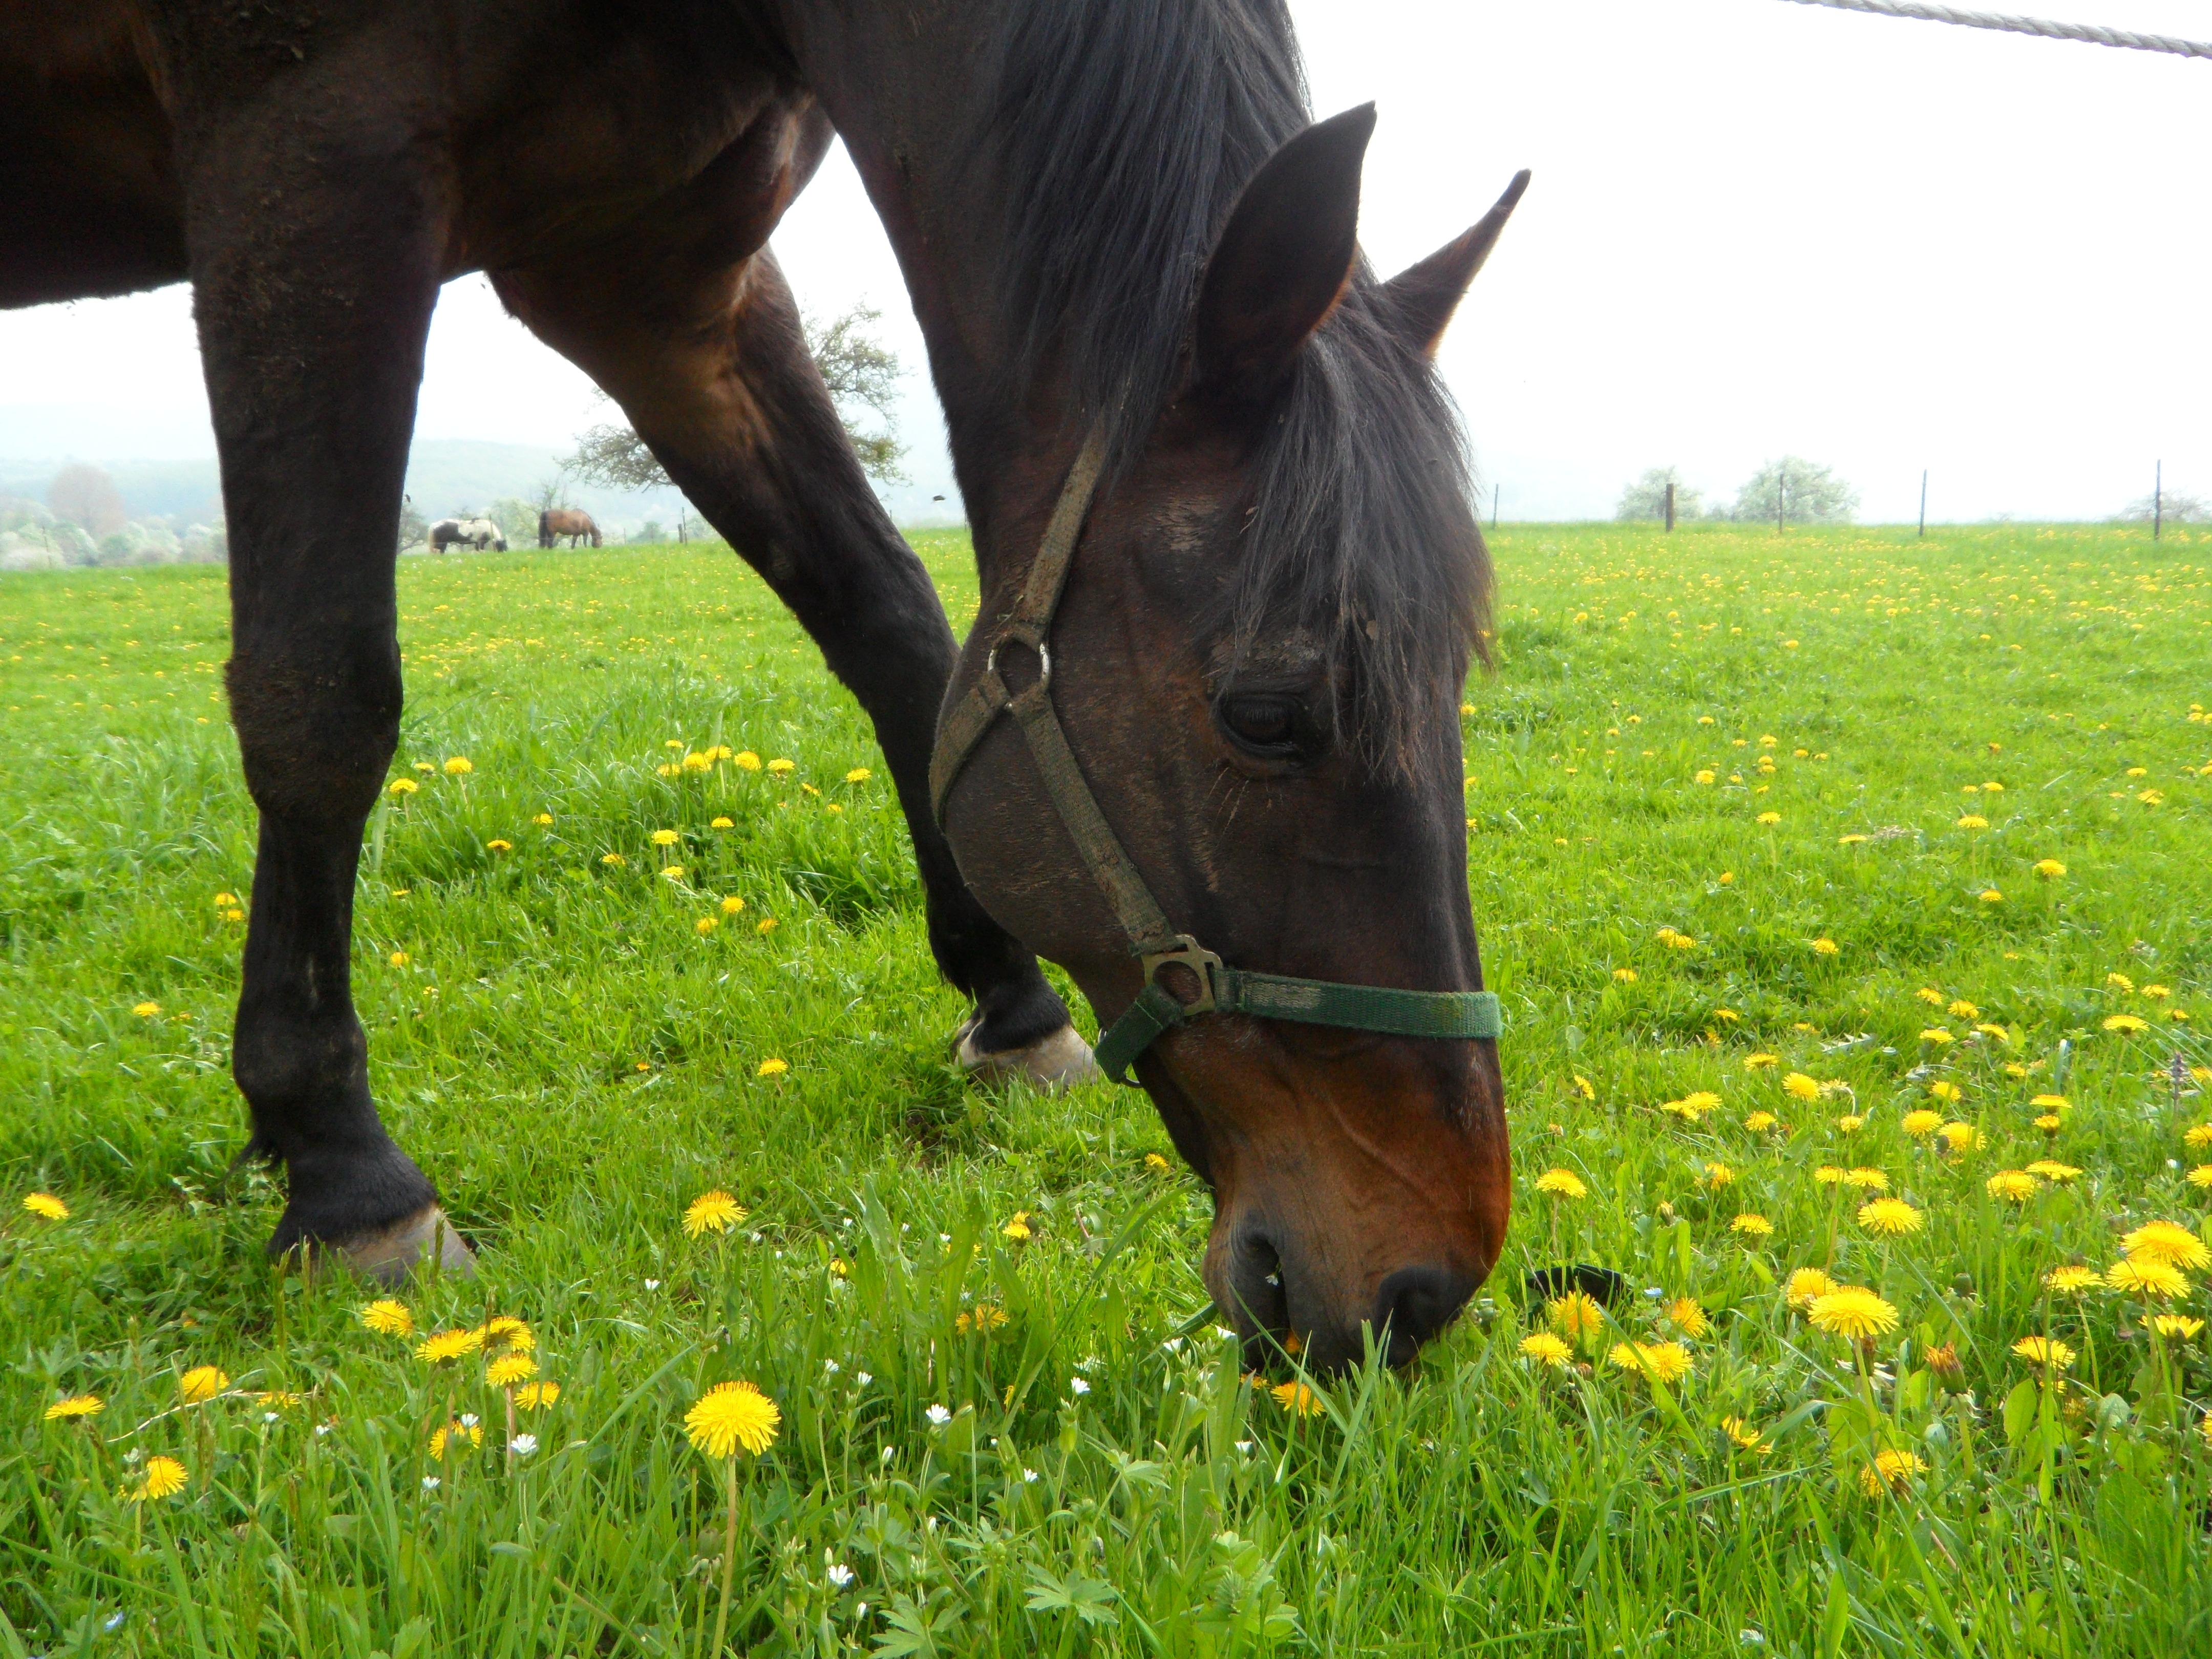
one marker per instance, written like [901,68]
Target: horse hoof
[1051,1063]
[388,1256]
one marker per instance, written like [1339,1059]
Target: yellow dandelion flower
[2053,1171]
[672,872]
[1694,1105]
[2045,1351]
[1890,1472]
[1688,1317]
[1994,1033]
[1828,1176]
[2151,797]
[732,905]
[1625,975]
[1016,1229]
[2013,1186]
[1850,1123]
[1946,1091]
[201,1382]
[1930,995]
[706,925]
[1154,1162]
[45,1207]
[767,925]
[613,859]
[458,766]
[1827,947]
[1297,1399]
[1991,895]
[2178,1326]
[773,1067]
[2168,1242]
[2198,1135]
[1749,1225]
[730,1415]
[715,1211]
[442,1346]
[1681,942]
[1717,1176]
[780,766]
[1892,1218]
[1962,1009]
[1867,1180]
[388,1318]
[1972,821]
[1761,1063]
[1960,1137]
[450,1437]
[1938,1035]
[1743,1434]
[509,1368]
[665,838]
[1805,1285]
[1921,1124]
[2051,1123]
[165,1477]
[1562,1183]
[1853,1312]
[496,846]
[858,774]
[2202,1176]
[403,788]
[1705,775]
[2050,869]
[77,1405]
[1770,819]
[2126,1024]
[1546,1349]
[722,822]
[543,820]
[1850,840]
[147,1010]
[1583,1086]
[1574,1315]
[535,1396]
[2146,1276]
[2072,1280]
[2051,1103]
[1759,1122]
[1798,1086]
[747,761]
[1668,1362]
[2155,993]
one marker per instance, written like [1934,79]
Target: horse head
[1256,664]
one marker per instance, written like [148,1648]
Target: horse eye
[1266,725]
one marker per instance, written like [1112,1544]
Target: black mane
[1125,130]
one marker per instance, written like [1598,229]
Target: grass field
[1755,831]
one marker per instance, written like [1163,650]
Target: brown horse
[570,521]
[1133,261]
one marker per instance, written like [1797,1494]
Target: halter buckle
[1201,962]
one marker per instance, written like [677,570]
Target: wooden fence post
[1923,501]
[1670,507]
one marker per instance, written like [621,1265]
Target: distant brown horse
[570,521]
[1231,574]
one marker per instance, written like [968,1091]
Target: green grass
[574,1062]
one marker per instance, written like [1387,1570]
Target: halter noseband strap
[1153,940]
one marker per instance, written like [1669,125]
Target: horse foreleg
[717,380]
[314,259]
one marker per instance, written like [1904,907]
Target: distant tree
[88,498]
[517,520]
[1805,492]
[413,526]
[1647,497]
[2172,505]
[856,367]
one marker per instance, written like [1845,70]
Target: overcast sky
[1756,228]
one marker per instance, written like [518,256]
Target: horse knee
[316,730]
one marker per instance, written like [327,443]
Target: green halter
[1152,940]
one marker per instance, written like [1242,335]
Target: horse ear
[1282,261]
[1421,298]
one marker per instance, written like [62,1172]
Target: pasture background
[574,1061]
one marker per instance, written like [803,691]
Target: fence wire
[2093,34]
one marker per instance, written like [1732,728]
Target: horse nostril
[1415,1304]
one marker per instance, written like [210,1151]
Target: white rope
[2091,33]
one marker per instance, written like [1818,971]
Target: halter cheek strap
[1153,940]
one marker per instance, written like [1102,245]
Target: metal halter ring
[1044,661]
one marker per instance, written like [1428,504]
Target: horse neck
[906,103]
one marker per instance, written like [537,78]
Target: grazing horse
[570,521]
[1231,576]
[479,533]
